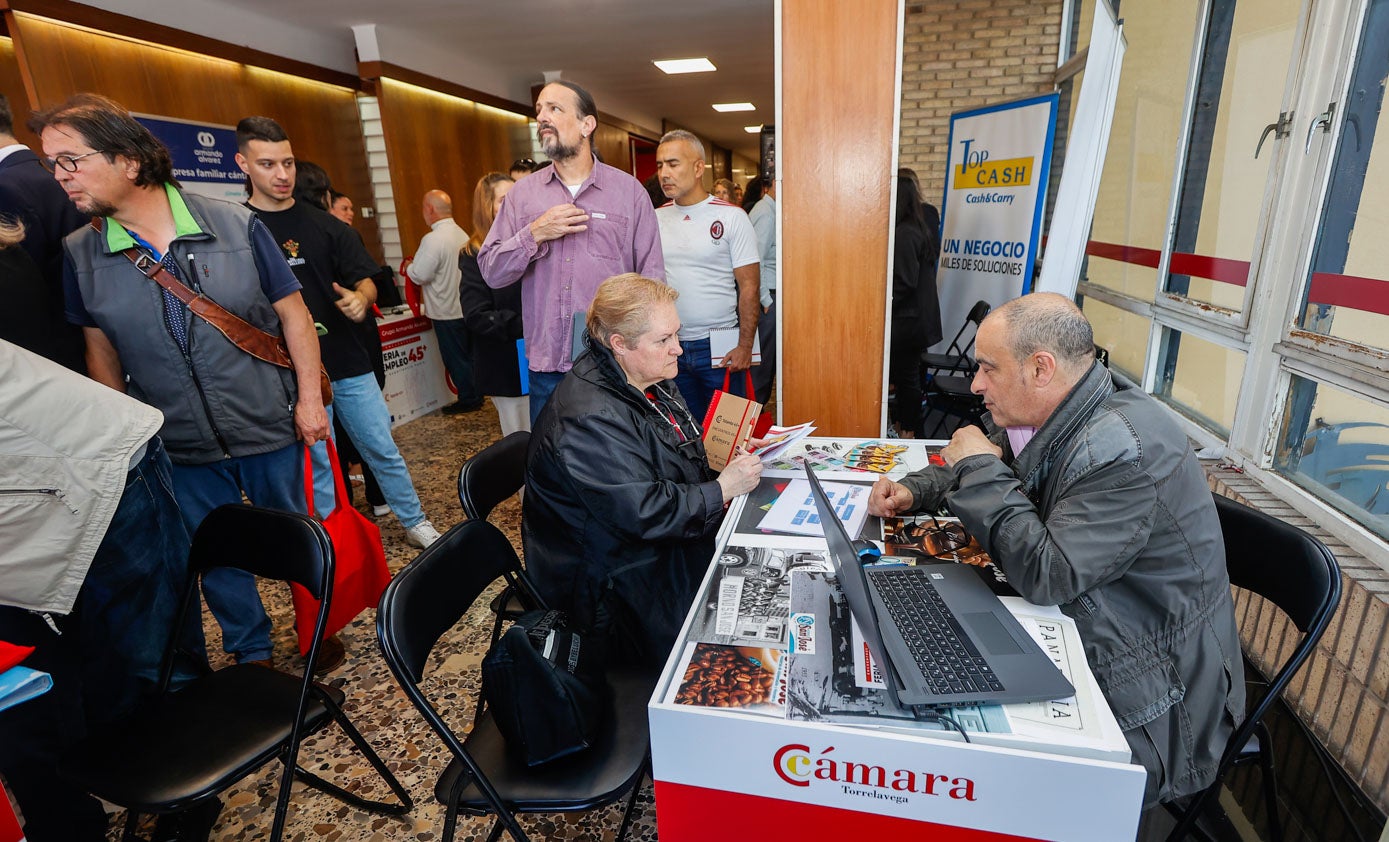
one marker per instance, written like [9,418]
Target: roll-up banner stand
[991,216]
[204,156]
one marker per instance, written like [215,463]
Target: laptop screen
[852,580]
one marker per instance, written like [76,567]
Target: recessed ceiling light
[734,106]
[752,129]
[685,65]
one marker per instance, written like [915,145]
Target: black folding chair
[183,748]
[949,396]
[1297,573]
[956,358]
[424,601]
[493,475]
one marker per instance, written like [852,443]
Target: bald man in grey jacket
[1088,496]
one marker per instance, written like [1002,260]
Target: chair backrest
[1281,563]
[430,594]
[269,543]
[975,315]
[1289,568]
[493,475]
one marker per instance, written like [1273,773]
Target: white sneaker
[421,534]
[381,510]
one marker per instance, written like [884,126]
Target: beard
[556,149]
[95,207]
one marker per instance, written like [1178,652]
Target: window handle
[1282,128]
[1321,121]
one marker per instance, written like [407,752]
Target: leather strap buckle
[147,265]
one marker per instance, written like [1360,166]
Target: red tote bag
[360,574]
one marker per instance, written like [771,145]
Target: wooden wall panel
[436,140]
[835,168]
[12,86]
[613,146]
[321,119]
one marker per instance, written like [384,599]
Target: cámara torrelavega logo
[797,765]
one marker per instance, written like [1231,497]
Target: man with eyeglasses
[1088,496]
[33,314]
[562,233]
[232,423]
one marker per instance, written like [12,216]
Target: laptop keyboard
[947,657]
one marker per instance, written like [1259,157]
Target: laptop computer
[937,633]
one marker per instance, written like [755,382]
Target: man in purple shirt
[565,229]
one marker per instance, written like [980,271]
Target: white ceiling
[504,47]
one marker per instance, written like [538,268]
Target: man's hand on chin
[968,441]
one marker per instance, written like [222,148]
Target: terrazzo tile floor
[434,447]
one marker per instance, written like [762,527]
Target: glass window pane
[1239,91]
[1336,445]
[1135,187]
[1347,294]
[1200,379]
[1123,334]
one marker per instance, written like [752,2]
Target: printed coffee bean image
[723,677]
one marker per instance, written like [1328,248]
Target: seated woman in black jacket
[621,508]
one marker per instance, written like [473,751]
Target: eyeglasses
[523,164]
[67,162]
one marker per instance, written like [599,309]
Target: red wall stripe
[697,814]
[1368,294]
[1213,268]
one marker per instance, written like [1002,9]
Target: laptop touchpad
[991,634]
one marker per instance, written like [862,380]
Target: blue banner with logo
[995,193]
[204,156]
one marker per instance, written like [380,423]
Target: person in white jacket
[95,560]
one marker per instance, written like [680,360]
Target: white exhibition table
[754,771]
[416,382]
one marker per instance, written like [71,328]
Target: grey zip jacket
[1107,514]
[66,443]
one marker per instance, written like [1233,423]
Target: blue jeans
[130,599]
[698,382]
[358,404]
[273,480]
[456,348]
[543,384]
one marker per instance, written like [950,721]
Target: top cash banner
[995,192]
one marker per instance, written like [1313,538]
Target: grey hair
[1046,321]
[688,137]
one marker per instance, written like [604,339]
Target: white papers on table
[722,341]
[794,510]
[778,439]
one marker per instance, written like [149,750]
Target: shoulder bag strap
[249,338]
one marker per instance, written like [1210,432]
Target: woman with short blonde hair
[621,507]
[622,305]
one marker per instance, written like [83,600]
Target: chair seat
[511,603]
[952,385]
[194,743]
[585,780]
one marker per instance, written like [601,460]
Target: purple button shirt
[561,276]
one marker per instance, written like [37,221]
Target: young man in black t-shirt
[335,270]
